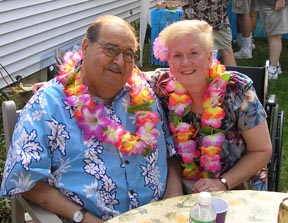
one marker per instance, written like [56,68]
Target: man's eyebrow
[111,44]
[116,46]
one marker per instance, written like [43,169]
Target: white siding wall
[31,30]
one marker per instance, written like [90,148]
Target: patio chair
[275,118]
[19,205]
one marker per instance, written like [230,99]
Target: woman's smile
[188,72]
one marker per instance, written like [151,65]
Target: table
[245,206]
[160,18]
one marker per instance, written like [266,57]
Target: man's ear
[85,42]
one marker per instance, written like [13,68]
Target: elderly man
[93,142]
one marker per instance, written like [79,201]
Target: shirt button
[127,162]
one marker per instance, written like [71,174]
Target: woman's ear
[210,57]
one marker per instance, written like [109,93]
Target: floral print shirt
[48,145]
[243,111]
[213,12]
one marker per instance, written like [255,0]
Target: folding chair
[19,205]
[275,118]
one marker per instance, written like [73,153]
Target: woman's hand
[207,184]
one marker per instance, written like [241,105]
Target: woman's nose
[186,59]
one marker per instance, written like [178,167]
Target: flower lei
[199,158]
[95,124]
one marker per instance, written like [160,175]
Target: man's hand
[36,86]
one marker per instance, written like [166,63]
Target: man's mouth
[115,69]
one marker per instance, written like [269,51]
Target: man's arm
[174,181]
[53,200]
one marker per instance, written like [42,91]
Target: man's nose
[119,59]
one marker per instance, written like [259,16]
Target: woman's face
[189,61]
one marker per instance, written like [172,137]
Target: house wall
[31,30]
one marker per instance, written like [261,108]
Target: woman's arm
[259,149]
[53,200]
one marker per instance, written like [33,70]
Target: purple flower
[93,121]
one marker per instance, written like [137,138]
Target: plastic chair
[275,118]
[19,205]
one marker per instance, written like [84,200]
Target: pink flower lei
[93,121]
[203,159]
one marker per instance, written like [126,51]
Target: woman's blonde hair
[184,27]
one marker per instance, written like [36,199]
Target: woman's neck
[196,106]
[197,97]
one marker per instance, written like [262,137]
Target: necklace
[93,121]
[199,158]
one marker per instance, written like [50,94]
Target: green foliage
[5,210]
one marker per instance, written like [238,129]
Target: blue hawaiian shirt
[48,145]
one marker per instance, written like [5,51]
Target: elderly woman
[218,124]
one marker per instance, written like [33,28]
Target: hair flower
[160,50]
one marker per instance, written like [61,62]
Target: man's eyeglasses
[111,50]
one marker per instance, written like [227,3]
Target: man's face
[104,73]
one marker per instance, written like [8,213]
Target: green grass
[277,87]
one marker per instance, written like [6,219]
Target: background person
[218,124]
[215,13]
[253,18]
[274,18]
[246,11]
[84,146]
